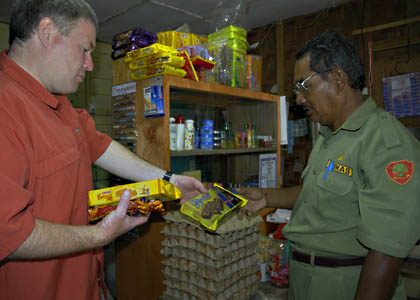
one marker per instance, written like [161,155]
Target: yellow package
[157,70]
[167,58]
[178,39]
[152,49]
[209,209]
[157,189]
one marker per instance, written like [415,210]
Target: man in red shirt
[47,248]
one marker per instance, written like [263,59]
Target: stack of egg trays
[203,265]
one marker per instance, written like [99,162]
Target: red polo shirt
[47,148]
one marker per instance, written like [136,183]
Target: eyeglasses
[300,87]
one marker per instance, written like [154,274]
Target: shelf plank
[221,151]
[214,88]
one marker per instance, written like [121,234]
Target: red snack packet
[188,67]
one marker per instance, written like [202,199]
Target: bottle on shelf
[229,135]
[248,129]
[172,134]
[206,137]
[254,136]
[180,132]
[189,135]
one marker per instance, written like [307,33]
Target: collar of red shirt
[24,79]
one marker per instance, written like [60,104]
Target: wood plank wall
[397,47]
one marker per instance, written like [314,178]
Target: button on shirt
[351,201]
[47,148]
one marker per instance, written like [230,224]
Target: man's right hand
[256,200]
[118,222]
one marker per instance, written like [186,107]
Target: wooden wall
[396,49]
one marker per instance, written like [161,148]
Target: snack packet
[210,208]
[146,196]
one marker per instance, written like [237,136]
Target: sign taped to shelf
[153,99]
[268,170]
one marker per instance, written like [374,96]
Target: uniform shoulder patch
[400,171]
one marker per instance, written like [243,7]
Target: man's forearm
[49,240]
[284,197]
[120,161]
[379,277]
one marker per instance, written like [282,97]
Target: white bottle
[189,135]
[172,134]
[180,132]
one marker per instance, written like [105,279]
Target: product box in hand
[146,196]
[209,209]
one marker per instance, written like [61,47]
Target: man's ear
[339,79]
[46,31]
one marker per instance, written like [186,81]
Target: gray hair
[26,15]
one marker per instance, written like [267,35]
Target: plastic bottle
[248,130]
[189,135]
[229,135]
[254,136]
[207,135]
[172,134]
[180,132]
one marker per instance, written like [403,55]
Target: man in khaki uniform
[357,214]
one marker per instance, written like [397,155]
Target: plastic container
[189,135]
[172,134]
[206,137]
[180,132]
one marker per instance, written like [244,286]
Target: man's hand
[118,222]
[256,200]
[189,187]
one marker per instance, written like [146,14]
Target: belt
[324,261]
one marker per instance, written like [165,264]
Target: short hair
[330,50]
[26,15]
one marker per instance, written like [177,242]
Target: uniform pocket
[335,183]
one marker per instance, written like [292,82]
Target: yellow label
[342,169]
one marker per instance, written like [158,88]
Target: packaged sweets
[152,49]
[157,70]
[160,58]
[146,196]
[209,209]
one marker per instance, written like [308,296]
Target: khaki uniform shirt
[360,189]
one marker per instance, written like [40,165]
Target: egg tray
[215,240]
[237,269]
[205,283]
[208,250]
[180,252]
[242,290]
[231,224]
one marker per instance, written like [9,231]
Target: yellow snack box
[157,189]
[171,59]
[157,70]
[209,209]
[152,49]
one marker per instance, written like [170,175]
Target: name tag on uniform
[341,168]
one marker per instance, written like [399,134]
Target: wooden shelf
[221,151]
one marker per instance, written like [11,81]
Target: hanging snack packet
[209,209]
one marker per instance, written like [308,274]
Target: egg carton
[208,250]
[200,258]
[215,240]
[230,224]
[243,289]
[215,286]
[217,274]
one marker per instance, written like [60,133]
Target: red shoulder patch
[400,171]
